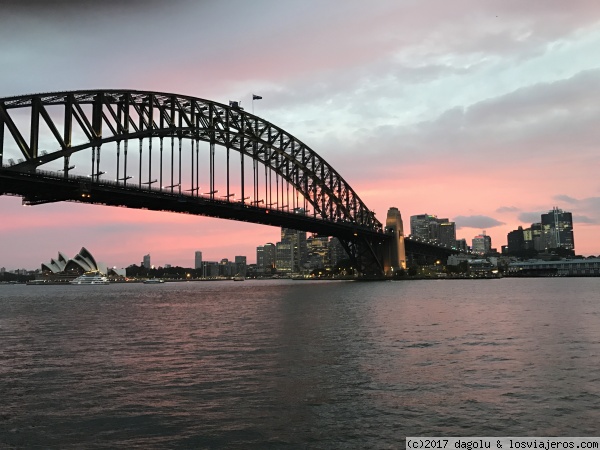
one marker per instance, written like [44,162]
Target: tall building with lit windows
[447,233]
[260,257]
[428,226]
[240,265]
[481,244]
[265,257]
[318,251]
[420,225]
[297,256]
[557,229]
[284,261]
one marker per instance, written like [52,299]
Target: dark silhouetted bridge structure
[157,151]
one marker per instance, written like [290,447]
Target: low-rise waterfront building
[589,267]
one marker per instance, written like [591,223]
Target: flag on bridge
[256,97]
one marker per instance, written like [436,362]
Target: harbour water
[294,364]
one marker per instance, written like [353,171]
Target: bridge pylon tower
[394,251]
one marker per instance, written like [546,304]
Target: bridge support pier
[394,252]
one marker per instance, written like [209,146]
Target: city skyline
[554,231]
[480,113]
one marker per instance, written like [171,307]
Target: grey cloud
[67,7]
[583,219]
[566,199]
[477,221]
[586,210]
[539,100]
[530,217]
[528,123]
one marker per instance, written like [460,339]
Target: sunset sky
[484,112]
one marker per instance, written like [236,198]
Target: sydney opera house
[65,268]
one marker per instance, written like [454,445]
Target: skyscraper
[419,225]
[299,250]
[447,233]
[557,229]
[482,244]
[240,265]
[260,258]
[318,251]
[285,261]
[516,241]
[269,256]
[461,244]
[198,260]
[427,226]
[146,261]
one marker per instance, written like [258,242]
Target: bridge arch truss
[102,117]
[46,132]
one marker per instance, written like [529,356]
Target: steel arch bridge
[75,146]
[45,137]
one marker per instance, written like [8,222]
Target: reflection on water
[288,364]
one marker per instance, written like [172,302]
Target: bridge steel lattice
[52,134]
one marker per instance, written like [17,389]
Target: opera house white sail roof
[82,262]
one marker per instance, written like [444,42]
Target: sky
[483,112]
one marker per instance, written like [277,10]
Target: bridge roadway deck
[46,187]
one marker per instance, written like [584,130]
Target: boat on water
[154,281]
[90,278]
[238,278]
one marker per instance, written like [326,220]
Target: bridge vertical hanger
[150,128]
[315,200]
[197,138]
[294,171]
[150,181]
[323,204]
[97,127]
[266,183]
[179,182]
[228,149]
[35,128]
[192,136]
[179,136]
[211,122]
[242,146]
[270,158]
[255,161]
[287,184]
[118,159]
[98,173]
[119,116]
[140,110]
[172,125]
[1,141]
[162,127]
[172,163]
[126,131]
[192,189]
[277,185]
[93,160]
